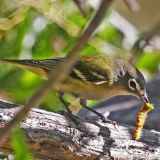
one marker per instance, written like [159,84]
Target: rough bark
[55,136]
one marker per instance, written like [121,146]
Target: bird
[94,77]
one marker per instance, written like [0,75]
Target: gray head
[137,84]
[133,81]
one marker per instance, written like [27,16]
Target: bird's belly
[89,94]
[84,90]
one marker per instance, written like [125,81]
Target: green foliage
[149,61]
[20,148]
[112,35]
[11,43]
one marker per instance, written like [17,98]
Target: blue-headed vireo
[92,77]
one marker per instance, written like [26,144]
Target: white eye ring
[133,85]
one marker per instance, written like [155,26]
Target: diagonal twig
[132,5]
[137,48]
[57,76]
[81,6]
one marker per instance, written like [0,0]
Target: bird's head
[136,84]
[131,80]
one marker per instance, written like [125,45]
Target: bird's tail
[23,62]
[32,65]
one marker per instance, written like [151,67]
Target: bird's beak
[144,97]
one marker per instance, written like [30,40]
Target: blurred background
[44,29]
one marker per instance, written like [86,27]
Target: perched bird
[92,78]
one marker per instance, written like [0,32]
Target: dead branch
[53,136]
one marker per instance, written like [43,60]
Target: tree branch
[60,74]
[54,136]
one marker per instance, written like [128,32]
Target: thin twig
[57,76]
[132,5]
[138,47]
[81,6]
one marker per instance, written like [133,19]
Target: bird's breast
[88,90]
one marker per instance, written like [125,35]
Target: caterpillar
[141,118]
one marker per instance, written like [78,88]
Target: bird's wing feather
[99,70]
[89,73]
[81,71]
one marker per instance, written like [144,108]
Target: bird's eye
[132,84]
